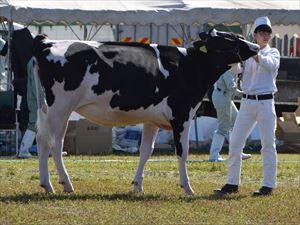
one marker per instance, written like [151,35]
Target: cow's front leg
[181,133]
[146,149]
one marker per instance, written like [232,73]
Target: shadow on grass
[131,197]
[170,151]
[36,197]
[215,197]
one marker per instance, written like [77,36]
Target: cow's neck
[200,71]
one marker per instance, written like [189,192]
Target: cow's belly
[101,113]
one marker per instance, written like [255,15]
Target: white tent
[158,12]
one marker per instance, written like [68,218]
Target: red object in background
[291,50]
[298,47]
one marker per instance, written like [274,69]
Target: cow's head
[230,48]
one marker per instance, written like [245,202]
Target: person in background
[31,129]
[257,106]
[31,96]
[24,83]
[224,91]
[21,44]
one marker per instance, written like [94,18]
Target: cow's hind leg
[182,149]
[64,177]
[51,131]
[59,124]
[44,149]
[146,149]
[43,142]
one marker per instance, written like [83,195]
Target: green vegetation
[103,193]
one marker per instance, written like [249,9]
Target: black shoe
[263,191]
[227,189]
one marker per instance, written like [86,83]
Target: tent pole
[98,29]
[244,30]
[118,32]
[85,35]
[151,32]
[73,31]
[40,29]
[167,34]
[135,33]
[196,132]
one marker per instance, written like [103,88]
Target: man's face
[262,38]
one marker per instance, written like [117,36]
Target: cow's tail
[42,124]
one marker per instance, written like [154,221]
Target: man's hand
[238,93]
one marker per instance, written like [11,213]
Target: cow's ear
[200,45]
[197,44]
[203,36]
[213,32]
[203,49]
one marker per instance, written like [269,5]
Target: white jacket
[260,78]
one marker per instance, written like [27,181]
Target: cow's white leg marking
[184,142]
[146,149]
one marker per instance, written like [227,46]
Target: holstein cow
[21,53]
[116,84]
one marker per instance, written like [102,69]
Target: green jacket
[227,84]
[31,96]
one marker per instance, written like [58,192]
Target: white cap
[262,21]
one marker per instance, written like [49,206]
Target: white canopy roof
[151,11]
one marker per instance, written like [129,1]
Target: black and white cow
[21,53]
[115,84]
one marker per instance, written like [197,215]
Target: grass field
[103,193]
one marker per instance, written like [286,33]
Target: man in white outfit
[257,106]
[225,89]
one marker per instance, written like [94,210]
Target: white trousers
[250,113]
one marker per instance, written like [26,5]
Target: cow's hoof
[67,186]
[48,188]
[188,190]
[137,188]
[68,189]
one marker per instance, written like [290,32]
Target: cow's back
[111,83]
